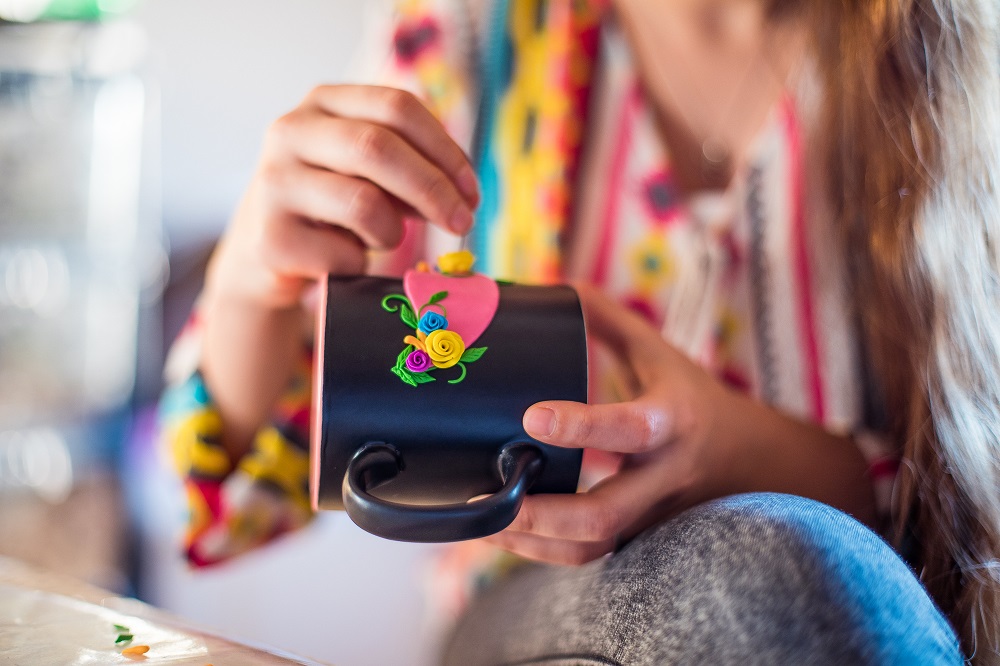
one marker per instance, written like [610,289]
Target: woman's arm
[776,452]
[685,439]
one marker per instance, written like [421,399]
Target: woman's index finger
[406,115]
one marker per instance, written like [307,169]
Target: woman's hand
[336,177]
[662,434]
[685,438]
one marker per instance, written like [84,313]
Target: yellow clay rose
[444,347]
[456,263]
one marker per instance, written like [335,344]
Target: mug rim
[319,350]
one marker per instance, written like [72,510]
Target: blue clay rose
[432,321]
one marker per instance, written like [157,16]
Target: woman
[828,247]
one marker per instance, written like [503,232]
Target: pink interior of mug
[315,438]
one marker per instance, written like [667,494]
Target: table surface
[47,618]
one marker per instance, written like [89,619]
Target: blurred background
[128,129]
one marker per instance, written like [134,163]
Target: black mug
[440,461]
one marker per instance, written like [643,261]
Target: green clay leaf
[422,377]
[406,314]
[121,629]
[439,296]
[460,377]
[473,354]
[401,359]
[123,638]
[405,375]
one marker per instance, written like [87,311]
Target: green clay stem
[420,312]
[390,297]
[460,377]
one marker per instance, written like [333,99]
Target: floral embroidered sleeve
[234,506]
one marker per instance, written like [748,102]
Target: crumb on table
[136,651]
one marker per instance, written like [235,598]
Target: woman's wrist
[250,346]
[234,279]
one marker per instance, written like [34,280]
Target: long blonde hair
[912,122]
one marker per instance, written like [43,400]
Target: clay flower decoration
[432,321]
[418,361]
[437,342]
[445,348]
[456,263]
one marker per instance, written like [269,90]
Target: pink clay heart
[471,302]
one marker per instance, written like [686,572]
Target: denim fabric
[749,579]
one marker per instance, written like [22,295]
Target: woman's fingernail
[467,183]
[461,220]
[540,421]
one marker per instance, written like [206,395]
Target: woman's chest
[747,280]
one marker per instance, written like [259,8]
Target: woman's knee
[755,578]
[766,530]
[786,572]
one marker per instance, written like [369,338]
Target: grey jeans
[750,579]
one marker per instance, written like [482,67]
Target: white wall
[226,69]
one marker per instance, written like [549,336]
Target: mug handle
[377,463]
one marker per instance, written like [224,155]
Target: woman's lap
[749,579]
